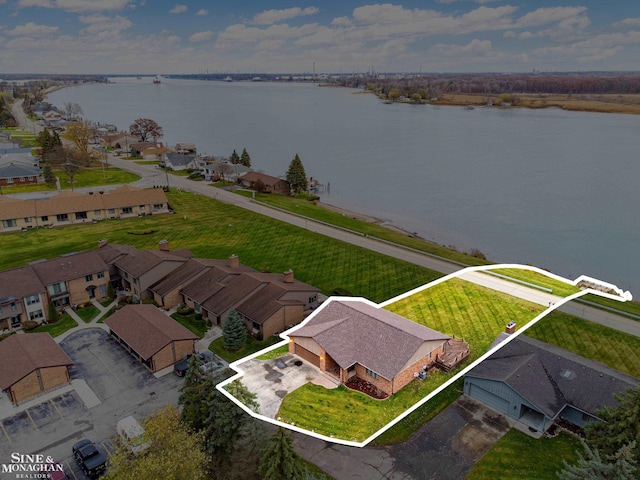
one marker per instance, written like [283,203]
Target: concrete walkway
[82,325]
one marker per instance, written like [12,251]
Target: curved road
[151,176]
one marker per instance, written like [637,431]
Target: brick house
[43,365]
[23,297]
[354,338]
[270,184]
[151,337]
[15,174]
[73,279]
[136,270]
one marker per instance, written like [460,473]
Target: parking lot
[119,385]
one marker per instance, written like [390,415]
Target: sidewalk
[82,325]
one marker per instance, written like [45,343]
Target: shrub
[198,316]
[29,325]
[184,310]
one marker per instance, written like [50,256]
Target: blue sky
[189,36]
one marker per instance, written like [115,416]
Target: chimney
[288,276]
[163,245]
[234,261]
[103,242]
[511,327]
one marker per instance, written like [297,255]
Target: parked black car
[91,460]
[182,366]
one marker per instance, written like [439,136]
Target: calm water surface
[547,187]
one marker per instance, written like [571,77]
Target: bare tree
[72,110]
[146,129]
[80,134]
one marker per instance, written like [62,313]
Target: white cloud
[628,22]
[526,35]
[201,36]
[269,17]
[101,23]
[543,16]
[341,22]
[32,30]
[475,47]
[509,34]
[202,12]
[179,9]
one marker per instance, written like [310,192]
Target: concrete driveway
[272,380]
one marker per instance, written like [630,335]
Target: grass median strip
[64,323]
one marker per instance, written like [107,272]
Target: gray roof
[355,332]
[264,303]
[550,377]
[179,158]
[20,158]
[20,282]
[13,170]
[141,262]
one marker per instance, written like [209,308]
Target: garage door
[488,398]
[307,355]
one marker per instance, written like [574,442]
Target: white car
[132,435]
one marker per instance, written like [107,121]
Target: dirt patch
[474,440]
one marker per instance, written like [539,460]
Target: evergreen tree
[234,158]
[620,426]
[53,313]
[245,159]
[223,427]
[279,461]
[234,332]
[195,395]
[49,177]
[591,466]
[296,176]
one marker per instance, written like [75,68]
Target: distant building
[179,161]
[252,180]
[16,174]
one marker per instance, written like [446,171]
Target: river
[552,188]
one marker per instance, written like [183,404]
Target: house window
[33,299]
[127,210]
[8,223]
[100,275]
[102,289]
[14,308]
[97,212]
[112,211]
[81,215]
[88,278]
[57,288]
[9,180]
[126,275]
[313,298]
[372,374]
[27,219]
[196,307]
[30,179]
[45,218]
[63,217]
[36,315]
[22,179]
[142,208]
[158,206]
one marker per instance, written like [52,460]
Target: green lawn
[251,346]
[84,178]
[88,313]
[217,230]
[199,327]
[62,325]
[629,307]
[302,206]
[615,349]
[275,353]
[465,310]
[557,287]
[517,455]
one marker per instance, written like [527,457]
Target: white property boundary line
[622,297]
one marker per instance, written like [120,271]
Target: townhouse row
[268,303]
[73,207]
